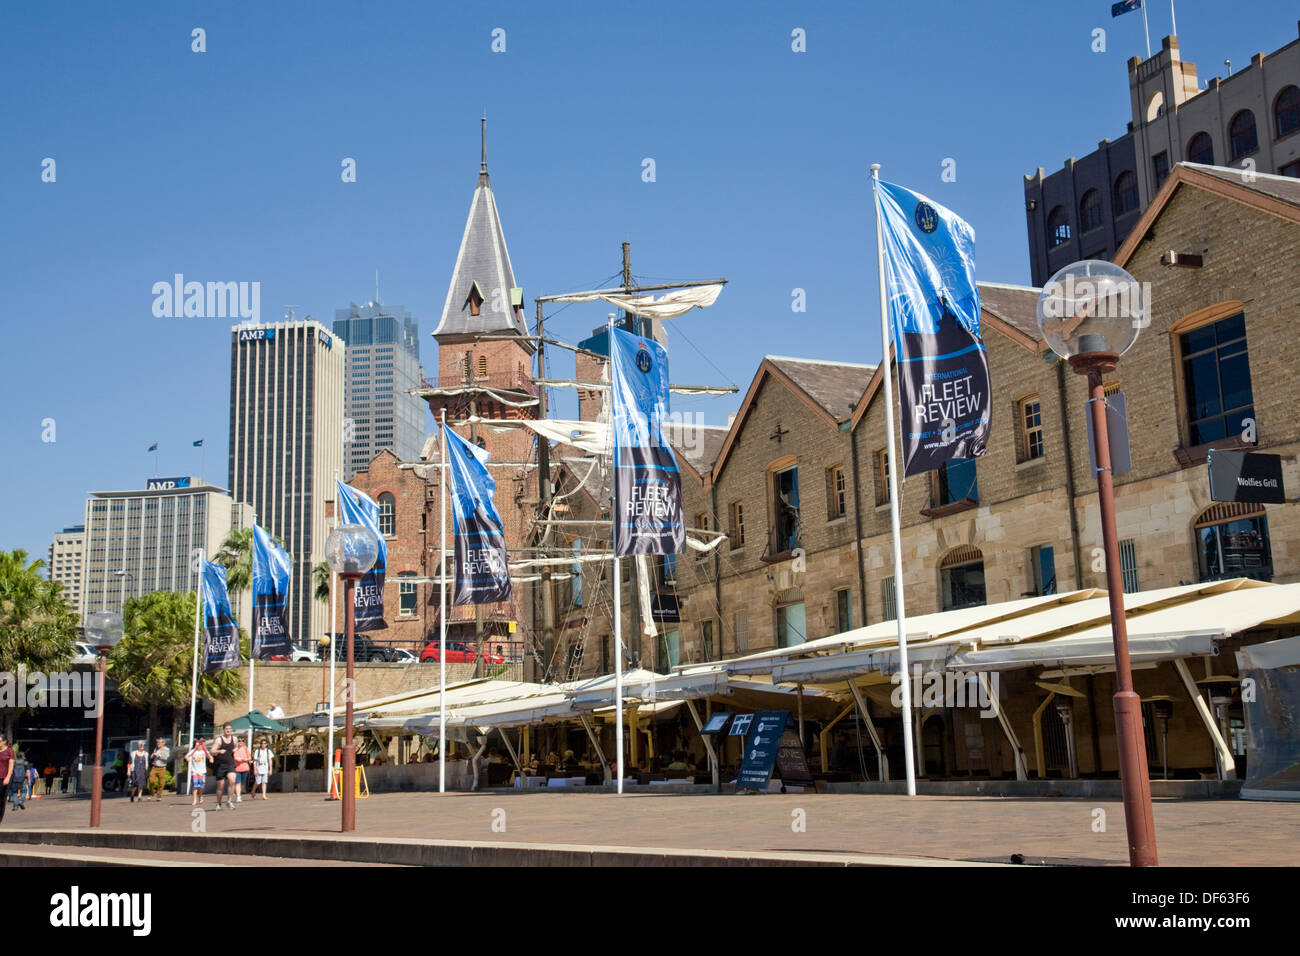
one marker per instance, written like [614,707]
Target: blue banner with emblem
[356,507]
[934,311]
[647,482]
[271,572]
[220,632]
[482,576]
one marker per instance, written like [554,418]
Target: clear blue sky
[225,166]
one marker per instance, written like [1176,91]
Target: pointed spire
[482,169]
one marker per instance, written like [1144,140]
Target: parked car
[458,652]
[297,654]
[86,653]
[364,649]
[402,656]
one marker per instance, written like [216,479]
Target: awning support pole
[802,743]
[595,744]
[1021,772]
[1038,736]
[708,746]
[511,750]
[1223,757]
[825,735]
[882,761]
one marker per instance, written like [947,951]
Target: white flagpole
[1173,18]
[618,587]
[334,610]
[194,668]
[894,522]
[442,613]
[1145,31]
[252,636]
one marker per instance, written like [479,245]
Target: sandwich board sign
[761,748]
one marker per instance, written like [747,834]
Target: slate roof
[1285,188]
[835,386]
[1016,305]
[700,445]
[485,260]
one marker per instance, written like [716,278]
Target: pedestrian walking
[50,771]
[223,756]
[158,768]
[242,759]
[7,761]
[198,758]
[261,767]
[139,772]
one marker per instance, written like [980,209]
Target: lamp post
[103,630]
[324,673]
[1089,313]
[351,551]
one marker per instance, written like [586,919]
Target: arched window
[482,366]
[1232,542]
[387,514]
[1125,193]
[1200,149]
[1156,106]
[961,578]
[1058,227]
[1242,137]
[1090,211]
[1286,111]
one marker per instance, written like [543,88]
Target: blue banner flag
[482,576]
[220,633]
[153,447]
[199,443]
[271,570]
[934,309]
[355,507]
[1125,6]
[647,483]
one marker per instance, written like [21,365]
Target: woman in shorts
[261,768]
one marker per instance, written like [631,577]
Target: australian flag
[1125,6]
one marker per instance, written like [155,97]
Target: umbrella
[257,721]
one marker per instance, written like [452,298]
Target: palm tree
[38,628]
[152,663]
[321,575]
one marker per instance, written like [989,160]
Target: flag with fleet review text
[356,507]
[220,632]
[647,483]
[482,576]
[934,309]
[271,569]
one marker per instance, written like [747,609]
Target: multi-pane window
[843,611]
[1129,565]
[407,594]
[1234,548]
[1286,111]
[1200,149]
[1090,211]
[882,476]
[836,492]
[961,578]
[1058,227]
[1031,420]
[737,531]
[387,514]
[1216,377]
[741,625]
[1160,167]
[1125,193]
[1242,136]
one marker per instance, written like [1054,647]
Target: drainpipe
[1069,475]
[717,568]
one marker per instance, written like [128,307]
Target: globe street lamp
[1090,313]
[324,672]
[103,631]
[351,551]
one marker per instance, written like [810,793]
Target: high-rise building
[65,559]
[286,445]
[137,541]
[382,366]
[1248,120]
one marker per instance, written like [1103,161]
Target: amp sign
[254,335]
[166,484]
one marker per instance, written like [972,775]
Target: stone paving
[1188,832]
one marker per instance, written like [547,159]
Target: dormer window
[475,299]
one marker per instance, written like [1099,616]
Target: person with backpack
[261,768]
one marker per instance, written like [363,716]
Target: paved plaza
[924,829]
